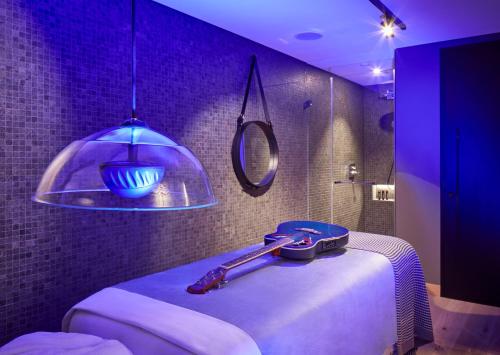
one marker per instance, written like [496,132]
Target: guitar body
[310,238]
[295,240]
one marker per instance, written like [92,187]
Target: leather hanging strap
[254,67]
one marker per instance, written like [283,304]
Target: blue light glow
[132,134]
[129,209]
[131,179]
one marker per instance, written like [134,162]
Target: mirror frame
[255,189]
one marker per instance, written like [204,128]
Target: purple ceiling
[351,43]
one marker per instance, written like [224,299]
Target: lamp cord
[134,62]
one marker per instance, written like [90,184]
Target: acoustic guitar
[295,240]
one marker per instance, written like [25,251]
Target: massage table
[362,299]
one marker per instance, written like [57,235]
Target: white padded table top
[334,304]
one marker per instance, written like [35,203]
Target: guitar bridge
[222,283]
[305,241]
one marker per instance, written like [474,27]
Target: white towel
[190,330]
[43,343]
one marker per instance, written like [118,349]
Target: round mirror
[255,156]
[255,153]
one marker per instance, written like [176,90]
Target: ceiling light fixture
[387,28]
[130,167]
[389,20]
[377,71]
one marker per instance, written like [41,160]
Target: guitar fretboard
[257,253]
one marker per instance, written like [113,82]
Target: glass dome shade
[130,167]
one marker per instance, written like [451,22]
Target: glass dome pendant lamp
[129,167]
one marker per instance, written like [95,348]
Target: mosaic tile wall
[348,148]
[318,118]
[65,73]
[335,142]
[379,153]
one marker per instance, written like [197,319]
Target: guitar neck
[257,253]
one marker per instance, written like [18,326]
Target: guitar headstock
[209,281]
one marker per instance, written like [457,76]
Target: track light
[387,27]
[389,20]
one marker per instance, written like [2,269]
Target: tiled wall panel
[348,149]
[65,73]
[379,155]
[335,142]
[318,117]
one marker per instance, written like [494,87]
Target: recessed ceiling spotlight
[308,36]
[377,71]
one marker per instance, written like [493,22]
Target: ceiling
[351,44]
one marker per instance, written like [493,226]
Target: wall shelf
[383,193]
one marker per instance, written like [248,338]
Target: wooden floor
[462,327]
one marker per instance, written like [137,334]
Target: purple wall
[65,73]
[417,149]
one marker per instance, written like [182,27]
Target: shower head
[386,122]
[308,104]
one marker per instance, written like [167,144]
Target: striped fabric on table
[414,323]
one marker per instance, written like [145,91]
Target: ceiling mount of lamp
[388,20]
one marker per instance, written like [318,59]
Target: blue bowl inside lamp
[131,179]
